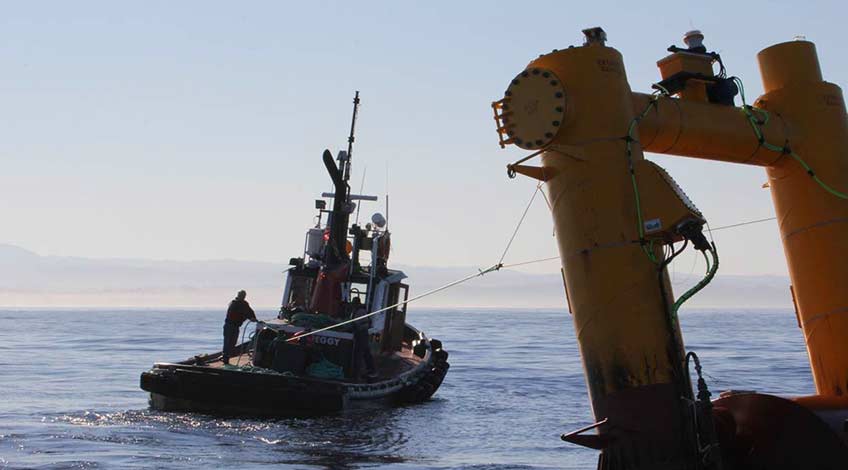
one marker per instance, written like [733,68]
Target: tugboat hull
[194,385]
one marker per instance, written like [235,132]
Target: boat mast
[340,216]
[351,137]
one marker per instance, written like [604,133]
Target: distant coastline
[30,280]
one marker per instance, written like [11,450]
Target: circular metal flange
[533,108]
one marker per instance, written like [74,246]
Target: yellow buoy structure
[620,219]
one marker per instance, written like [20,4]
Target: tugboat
[340,340]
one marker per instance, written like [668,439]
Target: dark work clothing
[239,311]
[231,332]
[362,348]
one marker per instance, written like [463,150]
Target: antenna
[387,196]
[361,188]
[351,137]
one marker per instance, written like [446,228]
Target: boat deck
[389,365]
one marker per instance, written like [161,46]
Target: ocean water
[70,396]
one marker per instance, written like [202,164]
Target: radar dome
[378,220]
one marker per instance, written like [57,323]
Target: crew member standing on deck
[361,344]
[238,311]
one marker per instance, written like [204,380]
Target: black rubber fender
[441,355]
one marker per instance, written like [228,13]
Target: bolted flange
[534,108]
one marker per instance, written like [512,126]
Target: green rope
[648,249]
[815,177]
[755,125]
[254,369]
[711,271]
[325,369]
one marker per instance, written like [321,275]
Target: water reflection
[369,436]
[344,441]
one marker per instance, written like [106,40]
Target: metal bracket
[500,124]
[592,441]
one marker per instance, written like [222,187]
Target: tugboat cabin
[315,298]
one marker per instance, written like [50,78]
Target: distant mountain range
[30,280]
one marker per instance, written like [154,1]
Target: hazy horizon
[30,280]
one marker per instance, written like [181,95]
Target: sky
[193,130]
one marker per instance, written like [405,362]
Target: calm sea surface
[70,396]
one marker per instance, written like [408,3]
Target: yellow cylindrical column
[632,350]
[813,222]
